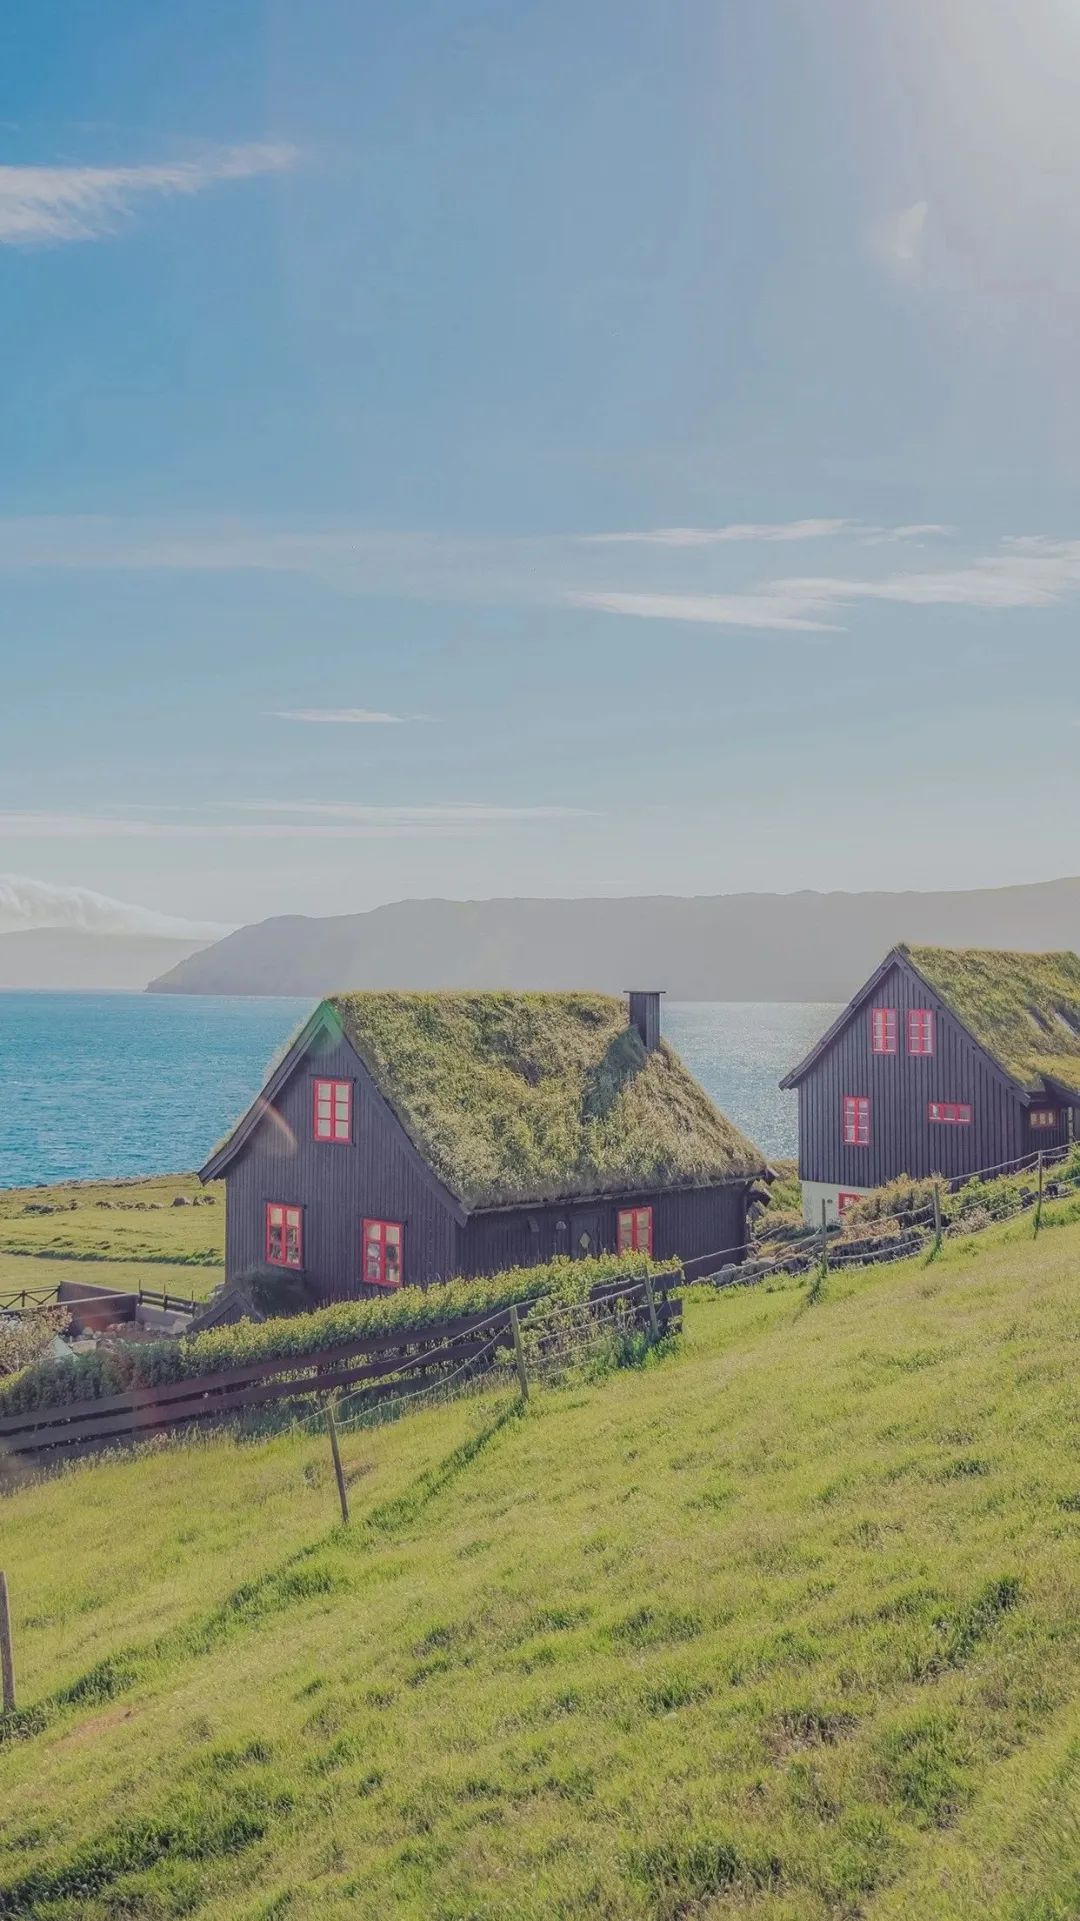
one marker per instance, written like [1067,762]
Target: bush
[88,1377]
[904,1196]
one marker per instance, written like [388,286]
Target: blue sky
[505,448]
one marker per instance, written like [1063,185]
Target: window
[635,1230]
[332,1110]
[844,1201]
[920,1030]
[1043,1117]
[856,1120]
[284,1235]
[381,1260]
[883,1030]
[955,1113]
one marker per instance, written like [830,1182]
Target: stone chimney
[645,1015]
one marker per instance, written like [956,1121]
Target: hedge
[89,1377]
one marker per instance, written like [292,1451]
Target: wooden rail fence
[64,1431]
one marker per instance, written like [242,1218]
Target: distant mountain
[71,958]
[790,947]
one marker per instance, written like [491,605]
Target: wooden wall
[900,1086]
[376,1176]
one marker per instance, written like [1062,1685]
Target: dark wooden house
[948,1061]
[412,1137]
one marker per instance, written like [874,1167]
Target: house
[948,1061]
[410,1137]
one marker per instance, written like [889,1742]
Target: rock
[180,1200]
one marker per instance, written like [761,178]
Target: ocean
[100,1086]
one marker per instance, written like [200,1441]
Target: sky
[534,448]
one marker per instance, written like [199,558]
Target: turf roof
[513,1098]
[1023,1008]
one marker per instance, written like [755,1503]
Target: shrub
[25,1338]
[155,1363]
[904,1196]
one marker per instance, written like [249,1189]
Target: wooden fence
[96,1307]
[409,1355]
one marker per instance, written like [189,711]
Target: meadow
[784,1624]
[116,1234]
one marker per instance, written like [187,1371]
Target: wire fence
[558,1341]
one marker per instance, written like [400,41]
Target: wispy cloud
[685,577]
[345,716]
[1026,572]
[778,609]
[298,820]
[771,532]
[918,531]
[441,811]
[43,204]
[27,904]
[738,531]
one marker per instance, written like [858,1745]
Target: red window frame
[634,1230]
[382,1253]
[884,1030]
[949,1113]
[283,1222]
[845,1200]
[1043,1116]
[856,1117]
[920,1030]
[331,1111]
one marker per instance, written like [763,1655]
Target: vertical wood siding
[900,1086]
[337,1185]
[691,1224]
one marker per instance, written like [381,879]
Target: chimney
[645,1016]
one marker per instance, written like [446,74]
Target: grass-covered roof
[513,1098]
[1023,1008]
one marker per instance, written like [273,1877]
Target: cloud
[917,531]
[454,810]
[899,239]
[26,904]
[738,531]
[777,609]
[302,820]
[345,716]
[43,204]
[1026,572]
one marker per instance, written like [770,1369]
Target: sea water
[99,1086]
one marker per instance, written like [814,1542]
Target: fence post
[7,1656]
[937,1217]
[654,1325]
[339,1472]
[1039,1202]
[519,1354]
[824,1240]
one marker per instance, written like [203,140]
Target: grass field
[116,1221]
[36,1271]
[785,1625]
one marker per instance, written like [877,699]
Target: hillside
[800,947]
[784,1626]
[69,958]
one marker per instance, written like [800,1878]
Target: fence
[391,1367]
[96,1306]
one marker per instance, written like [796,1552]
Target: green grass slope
[785,1625]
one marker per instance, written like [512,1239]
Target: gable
[894,984]
[282,1110]
[1022,1009]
